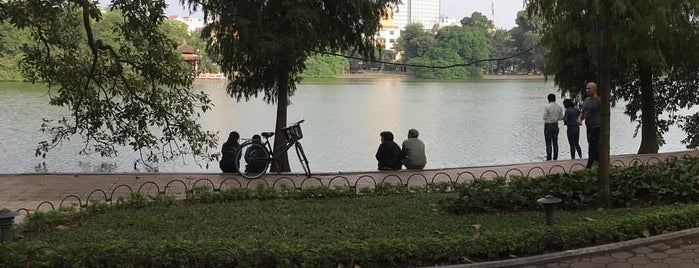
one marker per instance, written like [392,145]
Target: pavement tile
[661,246]
[619,265]
[602,260]
[656,265]
[642,250]
[638,260]
[674,251]
[687,256]
[584,265]
[657,255]
[622,256]
[673,260]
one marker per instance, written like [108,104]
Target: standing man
[552,114]
[593,121]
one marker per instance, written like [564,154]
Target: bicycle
[254,156]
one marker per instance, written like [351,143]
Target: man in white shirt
[552,114]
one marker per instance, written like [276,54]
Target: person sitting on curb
[254,165]
[414,151]
[228,152]
[389,154]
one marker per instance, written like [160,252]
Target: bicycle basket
[293,132]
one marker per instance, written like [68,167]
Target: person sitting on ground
[228,151]
[255,165]
[389,154]
[413,151]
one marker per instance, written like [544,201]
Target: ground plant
[674,181]
[385,226]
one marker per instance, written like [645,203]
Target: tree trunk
[605,77]
[282,163]
[649,131]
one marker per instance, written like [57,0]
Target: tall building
[425,12]
[388,32]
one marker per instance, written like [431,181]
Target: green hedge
[674,181]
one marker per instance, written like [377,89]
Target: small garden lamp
[7,218]
[549,201]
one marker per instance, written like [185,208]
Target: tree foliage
[525,36]
[263,45]
[12,41]
[324,66]
[414,41]
[478,20]
[124,87]
[442,57]
[654,58]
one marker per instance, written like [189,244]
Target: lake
[484,122]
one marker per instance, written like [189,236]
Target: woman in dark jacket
[389,154]
[228,150]
[570,119]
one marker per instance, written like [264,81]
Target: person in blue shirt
[255,165]
[570,119]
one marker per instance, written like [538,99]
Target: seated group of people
[392,157]
[229,150]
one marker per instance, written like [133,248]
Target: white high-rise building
[193,24]
[425,12]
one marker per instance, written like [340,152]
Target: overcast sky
[505,10]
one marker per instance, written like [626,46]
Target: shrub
[662,183]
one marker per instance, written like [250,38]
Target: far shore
[399,75]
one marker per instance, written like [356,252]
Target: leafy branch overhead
[127,88]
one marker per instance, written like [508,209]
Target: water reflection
[461,123]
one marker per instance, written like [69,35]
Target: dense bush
[662,183]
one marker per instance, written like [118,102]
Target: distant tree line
[475,40]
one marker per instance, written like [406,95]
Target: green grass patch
[403,230]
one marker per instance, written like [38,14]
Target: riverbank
[383,75]
[403,75]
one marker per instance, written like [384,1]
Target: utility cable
[431,66]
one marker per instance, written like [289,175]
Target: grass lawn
[312,222]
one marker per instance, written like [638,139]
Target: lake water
[461,123]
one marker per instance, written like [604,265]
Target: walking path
[677,249]
[46,191]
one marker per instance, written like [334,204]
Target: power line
[430,66]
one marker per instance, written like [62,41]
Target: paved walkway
[672,250]
[29,192]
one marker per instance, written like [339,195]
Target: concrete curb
[578,252]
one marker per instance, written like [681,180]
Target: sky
[505,10]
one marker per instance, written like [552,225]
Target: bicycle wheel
[252,159]
[302,158]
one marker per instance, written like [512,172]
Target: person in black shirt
[228,151]
[389,154]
